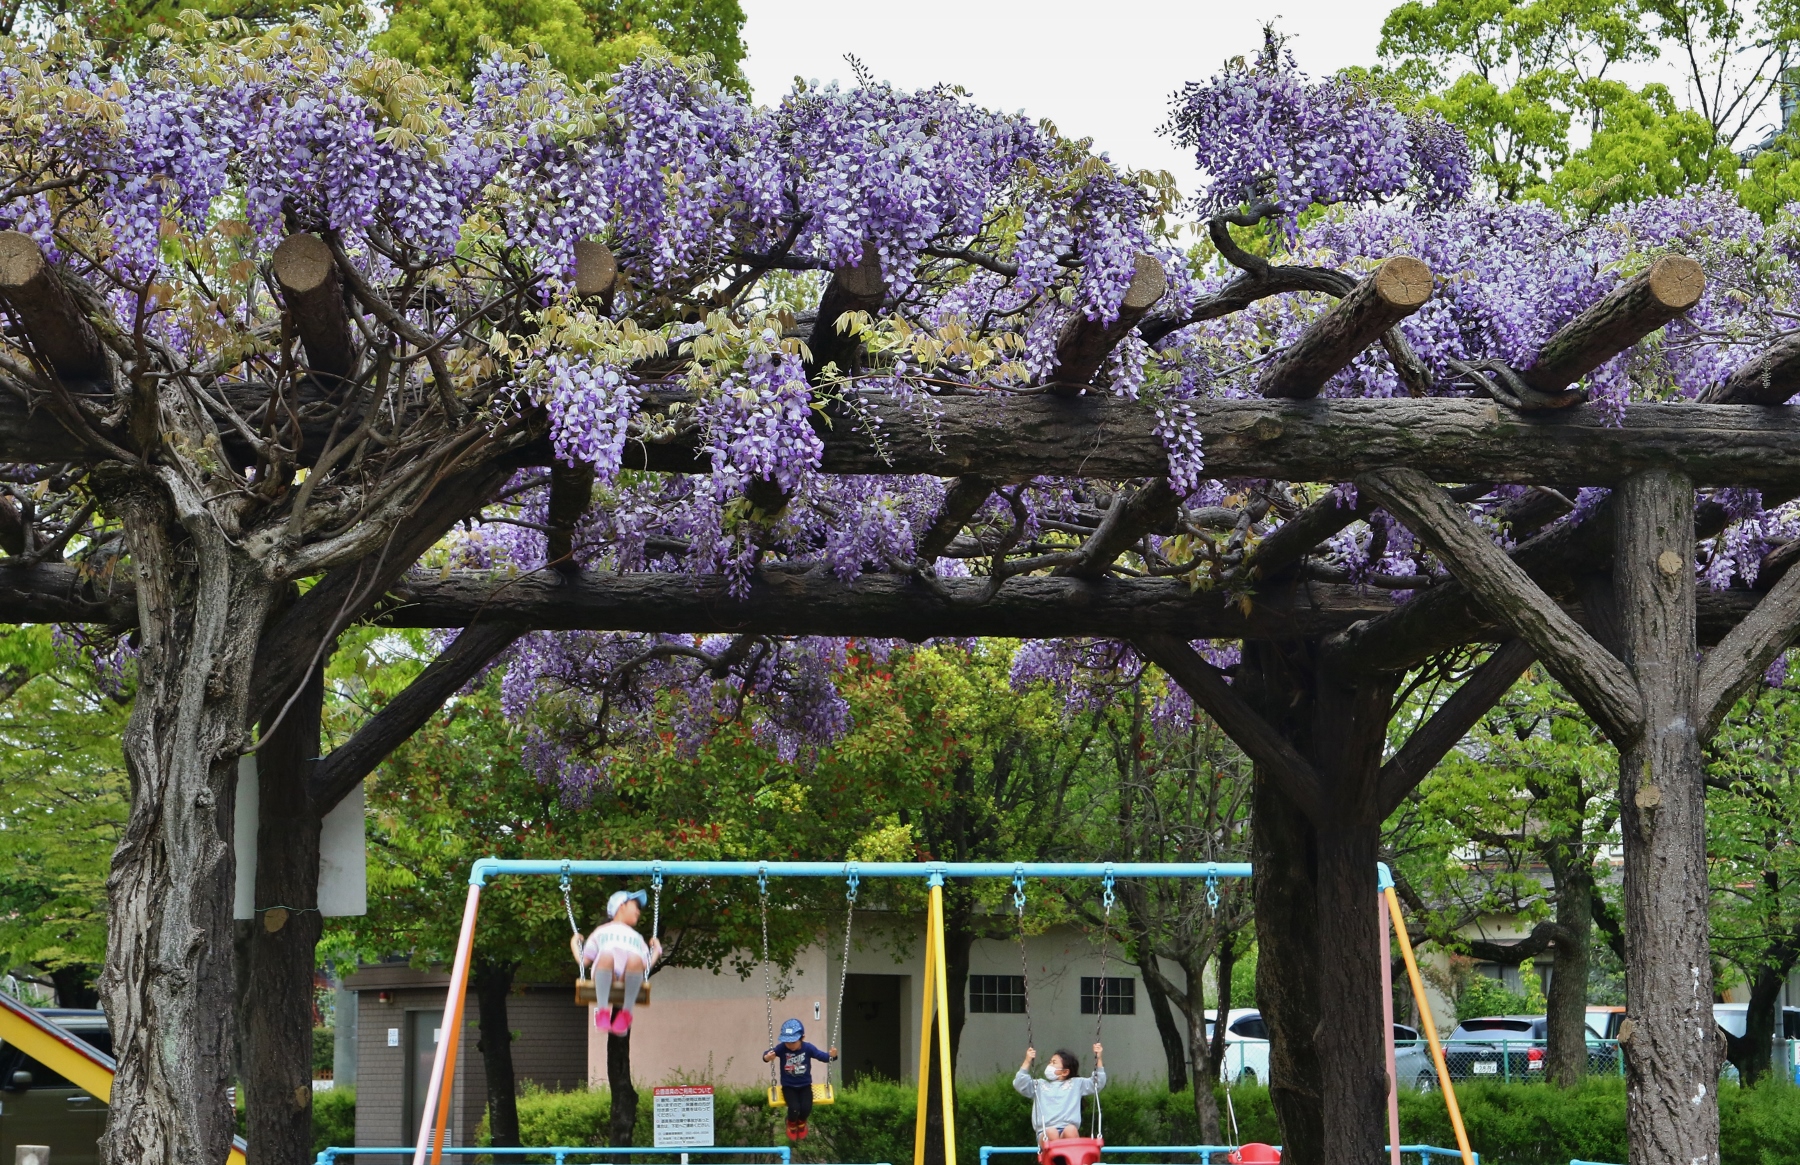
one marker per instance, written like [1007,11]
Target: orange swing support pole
[436,1117]
[1430,1026]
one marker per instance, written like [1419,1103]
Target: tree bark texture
[1752,1053]
[1566,1050]
[623,1116]
[168,980]
[1450,439]
[283,939]
[1671,1053]
[492,980]
[1349,733]
[1101,437]
[1168,1032]
[1632,310]
[1208,1050]
[1284,848]
[1390,293]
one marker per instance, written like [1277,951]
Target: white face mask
[1052,1072]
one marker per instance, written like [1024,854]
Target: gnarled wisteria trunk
[167,985]
[1671,1042]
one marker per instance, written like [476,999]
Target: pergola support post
[1670,1040]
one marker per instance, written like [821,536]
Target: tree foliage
[63,798]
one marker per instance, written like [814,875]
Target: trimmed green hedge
[334,1117]
[1509,1124]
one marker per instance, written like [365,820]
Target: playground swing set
[935,1014]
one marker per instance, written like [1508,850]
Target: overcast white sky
[1101,70]
[1098,69]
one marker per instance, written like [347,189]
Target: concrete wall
[706,1027]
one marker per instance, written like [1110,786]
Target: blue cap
[792,1029]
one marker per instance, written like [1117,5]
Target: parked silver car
[40,1107]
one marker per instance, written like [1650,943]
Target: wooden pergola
[1606,601]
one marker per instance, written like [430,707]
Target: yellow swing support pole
[1430,1026]
[443,1068]
[935,998]
[927,1004]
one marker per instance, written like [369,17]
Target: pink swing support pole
[1387,1017]
[459,987]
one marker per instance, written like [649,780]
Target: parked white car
[1247,1050]
[1246,1045]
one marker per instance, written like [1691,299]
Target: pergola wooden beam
[1206,685]
[1745,654]
[1594,676]
[1153,505]
[1432,740]
[314,297]
[961,500]
[1632,310]
[1086,343]
[1390,293]
[1768,378]
[38,294]
[858,288]
[781,602]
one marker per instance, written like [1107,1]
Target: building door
[872,1027]
[423,1030]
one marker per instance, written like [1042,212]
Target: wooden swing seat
[584,993]
[822,1094]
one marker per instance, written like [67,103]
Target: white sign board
[343,860]
[684,1116]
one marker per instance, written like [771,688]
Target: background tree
[1183,795]
[1753,811]
[1532,788]
[63,804]
[584,39]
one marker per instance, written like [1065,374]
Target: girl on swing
[1056,1099]
[617,949]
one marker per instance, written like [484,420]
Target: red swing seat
[1255,1153]
[1071,1151]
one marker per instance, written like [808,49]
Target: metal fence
[1507,1061]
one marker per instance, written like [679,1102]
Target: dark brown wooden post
[284,938]
[1669,1037]
[314,297]
[49,311]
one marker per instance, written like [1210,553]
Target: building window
[997,994]
[1118,997]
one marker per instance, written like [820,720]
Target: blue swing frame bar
[486,868]
[432,1125]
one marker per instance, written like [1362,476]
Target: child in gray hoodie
[1056,1099]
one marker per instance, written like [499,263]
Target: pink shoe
[621,1022]
[602,1019]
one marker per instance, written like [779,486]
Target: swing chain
[852,879]
[762,888]
[1107,898]
[569,909]
[656,881]
[1212,892]
[1024,965]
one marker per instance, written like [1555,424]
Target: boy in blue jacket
[796,1074]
